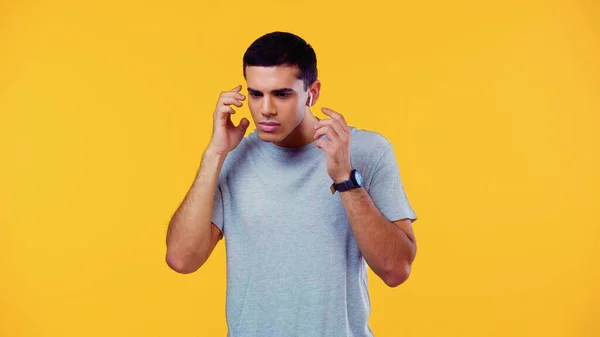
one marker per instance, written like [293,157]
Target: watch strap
[344,185]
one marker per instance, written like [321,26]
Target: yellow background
[492,106]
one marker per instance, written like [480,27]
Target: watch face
[358,177]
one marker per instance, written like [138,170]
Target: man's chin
[271,137]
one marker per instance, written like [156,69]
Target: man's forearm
[188,235]
[388,250]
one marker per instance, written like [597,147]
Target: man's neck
[303,134]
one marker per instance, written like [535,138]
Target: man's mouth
[268,126]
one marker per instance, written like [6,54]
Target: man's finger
[339,129]
[329,112]
[335,115]
[225,111]
[231,100]
[237,95]
[331,134]
[321,131]
[324,144]
[244,123]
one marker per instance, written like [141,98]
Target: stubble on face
[277,102]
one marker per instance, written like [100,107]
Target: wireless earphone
[310,99]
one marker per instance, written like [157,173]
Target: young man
[304,205]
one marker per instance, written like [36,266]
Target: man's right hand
[226,136]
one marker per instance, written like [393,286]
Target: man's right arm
[191,236]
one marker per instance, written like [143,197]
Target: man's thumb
[244,123]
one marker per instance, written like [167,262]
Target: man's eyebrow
[276,91]
[282,91]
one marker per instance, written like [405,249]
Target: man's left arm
[389,248]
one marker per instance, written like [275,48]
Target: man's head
[281,73]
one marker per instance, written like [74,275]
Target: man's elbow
[180,264]
[397,276]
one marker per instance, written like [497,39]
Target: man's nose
[268,107]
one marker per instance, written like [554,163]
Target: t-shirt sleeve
[387,191]
[218,208]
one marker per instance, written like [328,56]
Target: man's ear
[313,93]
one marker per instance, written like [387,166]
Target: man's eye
[282,94]
[255,94]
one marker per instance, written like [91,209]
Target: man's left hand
[337,145]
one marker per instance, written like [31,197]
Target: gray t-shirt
[293,265]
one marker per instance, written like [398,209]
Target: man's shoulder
[368,138]
[367,145]
[242,153]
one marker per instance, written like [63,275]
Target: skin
[388,247]
[275,94]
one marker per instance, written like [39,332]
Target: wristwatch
[355,181]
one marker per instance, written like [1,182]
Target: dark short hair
[283,49]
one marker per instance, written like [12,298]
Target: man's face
[276,99]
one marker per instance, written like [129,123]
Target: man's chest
[296,201]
